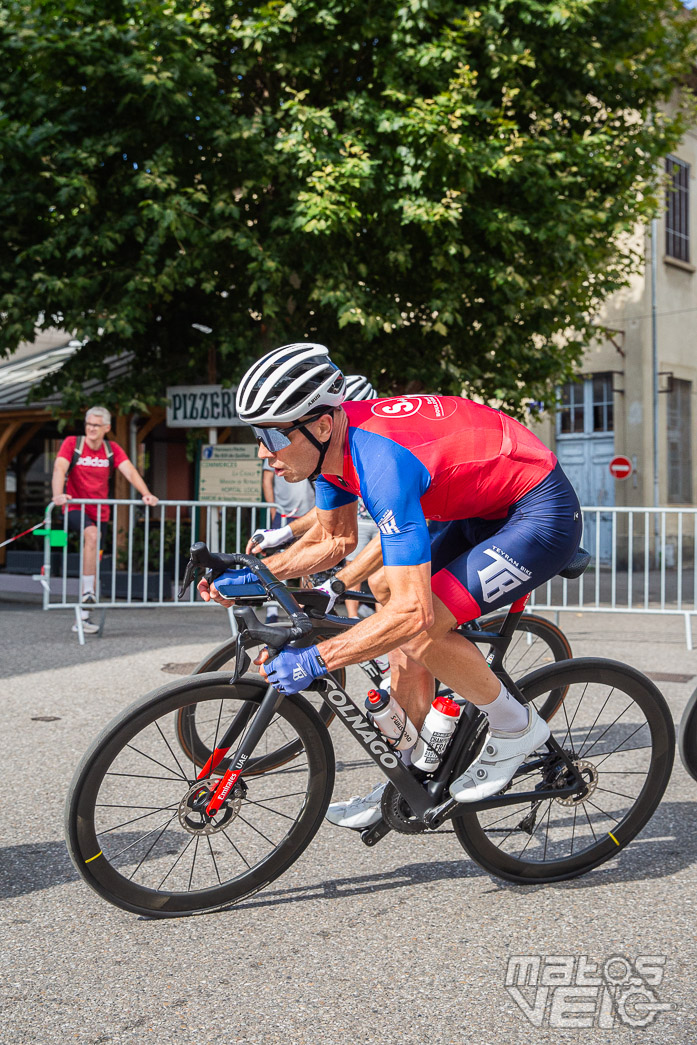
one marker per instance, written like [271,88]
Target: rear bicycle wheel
[131,829]
[616,727]
[193,722]
[687,736]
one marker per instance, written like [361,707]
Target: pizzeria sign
[201,406]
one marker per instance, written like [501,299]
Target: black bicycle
[158,834]
[687,736]
[525,641]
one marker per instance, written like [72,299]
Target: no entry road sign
[620,467]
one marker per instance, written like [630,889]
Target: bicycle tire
[189,735]
[549,645]
[687,736]
[586,679]
[134,760]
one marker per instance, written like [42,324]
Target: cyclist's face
[298,460]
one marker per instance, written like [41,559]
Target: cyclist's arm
[408,612]
[332,536]
[392,485]
[363,566]
[301,525]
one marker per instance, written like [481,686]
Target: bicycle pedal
[371,835]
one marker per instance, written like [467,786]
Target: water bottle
[439,726]
[391,719]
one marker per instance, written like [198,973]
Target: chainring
[397,813]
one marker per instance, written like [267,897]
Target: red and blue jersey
[422,457]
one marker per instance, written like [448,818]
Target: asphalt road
[409,941]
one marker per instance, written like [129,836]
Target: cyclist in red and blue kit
[513,522]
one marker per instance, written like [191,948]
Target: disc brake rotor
[589,774]
[192,808]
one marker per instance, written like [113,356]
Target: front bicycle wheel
[131,827]
[193,722]
[687,736]
[616,728]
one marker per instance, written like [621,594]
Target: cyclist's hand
[332,587]
[230,584]
[293,669]
[209,593]
[263,540]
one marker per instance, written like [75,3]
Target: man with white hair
[82,469]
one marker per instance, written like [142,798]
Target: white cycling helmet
[290,382]
[359,387]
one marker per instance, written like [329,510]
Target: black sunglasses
[275,439]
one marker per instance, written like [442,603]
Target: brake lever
[189,575]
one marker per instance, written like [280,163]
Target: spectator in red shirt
[89,478]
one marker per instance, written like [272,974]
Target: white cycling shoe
[358,812]
[498,760]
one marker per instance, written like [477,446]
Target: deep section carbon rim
[616,728]
[133,829]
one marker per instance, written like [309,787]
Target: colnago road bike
[523,641]
[156,833]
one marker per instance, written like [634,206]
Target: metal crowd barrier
[643,561]
[142,556]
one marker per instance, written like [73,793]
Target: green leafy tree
[439,191]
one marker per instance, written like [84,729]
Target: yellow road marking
[609,832]
[93,857]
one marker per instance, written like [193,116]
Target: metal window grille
[677,209]
[603,403]
[680,442]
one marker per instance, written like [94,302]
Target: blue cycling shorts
[480,565]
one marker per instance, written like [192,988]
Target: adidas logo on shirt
[387,524]
[94,462]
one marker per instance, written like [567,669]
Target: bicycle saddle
[577,566]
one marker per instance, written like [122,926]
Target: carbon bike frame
[423,798]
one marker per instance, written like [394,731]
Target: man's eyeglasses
[275,439]
[94,424]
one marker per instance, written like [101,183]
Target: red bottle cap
[446,706]
[374,696]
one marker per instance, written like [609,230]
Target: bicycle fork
[266,710]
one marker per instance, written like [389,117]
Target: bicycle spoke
[157,762]
[248,801]
[215,863]
[114,856]
[169,748]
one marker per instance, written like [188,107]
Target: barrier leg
[688,631]
[78,621]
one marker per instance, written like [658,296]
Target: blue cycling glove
[294,669]
[230,584]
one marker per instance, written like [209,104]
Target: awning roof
[34,361]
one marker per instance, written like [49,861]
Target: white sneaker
[501,756]
[358,812]
[88,627]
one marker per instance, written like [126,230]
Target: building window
[680,442]
[571,408]
[603,404]
[677,209]
[586,406]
